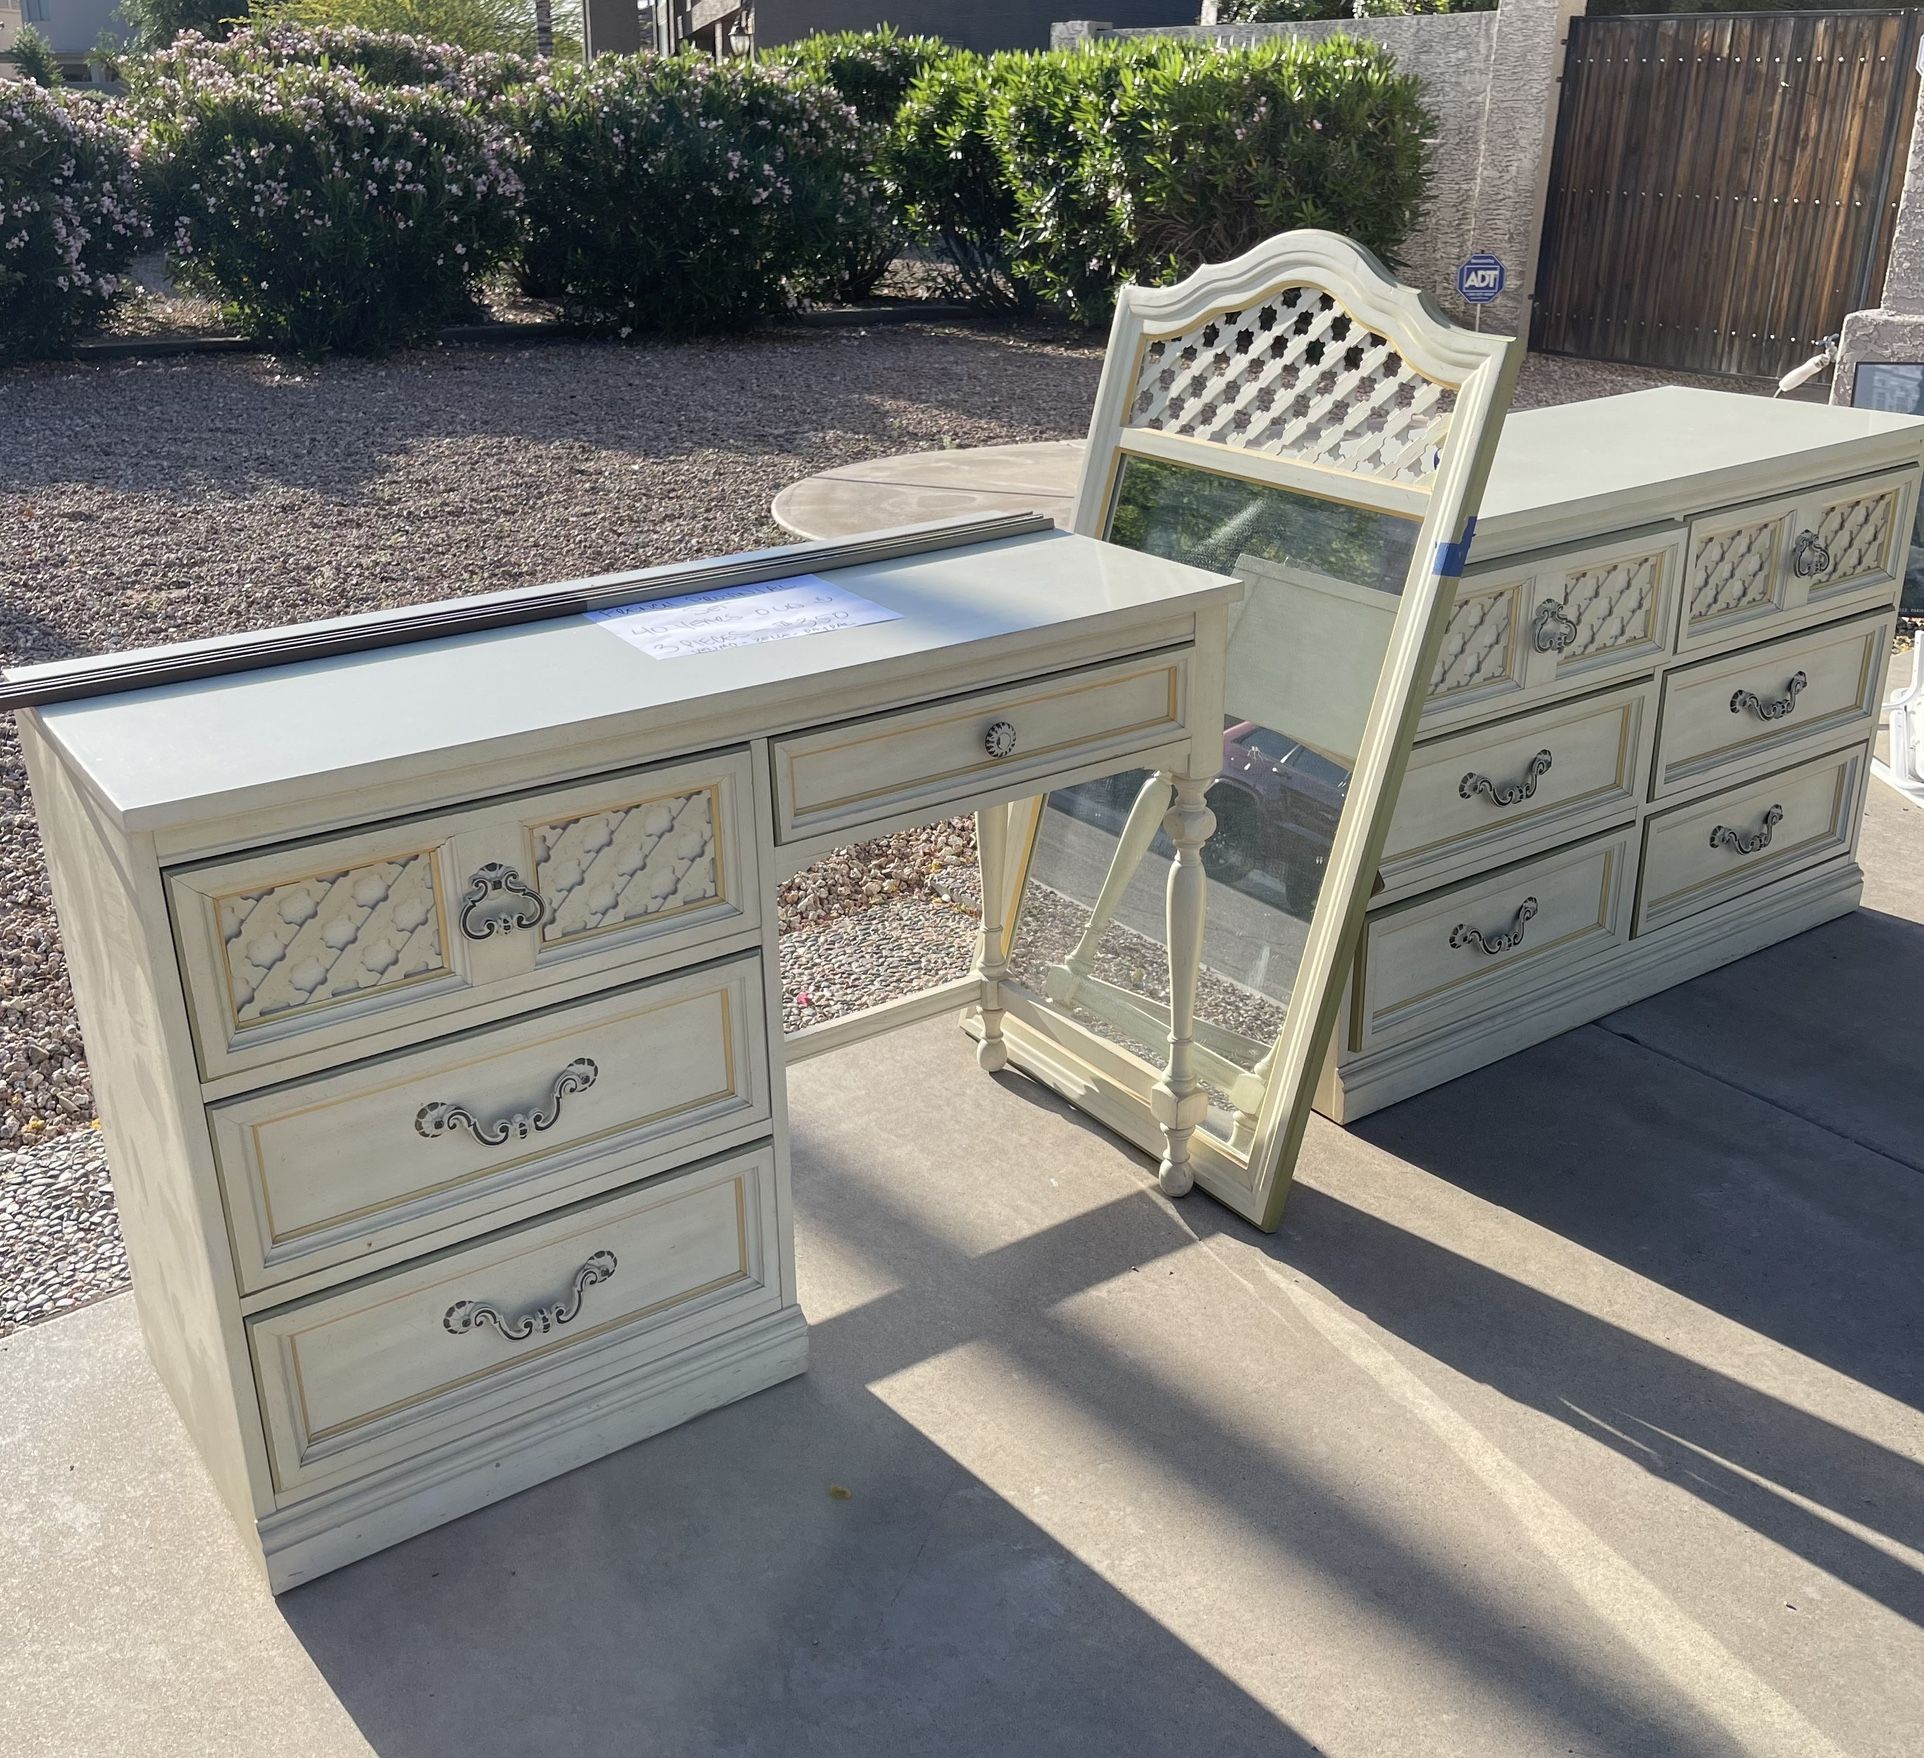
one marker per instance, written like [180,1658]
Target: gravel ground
[153,501]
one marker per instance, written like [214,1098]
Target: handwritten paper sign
[740,616]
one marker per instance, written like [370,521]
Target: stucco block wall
[982,25]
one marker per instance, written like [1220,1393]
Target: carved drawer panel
[1540,625]
[1784,562]
[1436,961]
[1021,737]
[406,1151]
[1747,711]
[299,955]
[1712,850]
[392,1366]
[1473,800]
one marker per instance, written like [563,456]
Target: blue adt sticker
[1480,279]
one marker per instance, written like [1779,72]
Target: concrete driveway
[1575,1409]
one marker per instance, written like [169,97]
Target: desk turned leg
[1177,1099]
[992,855]
[1062,983]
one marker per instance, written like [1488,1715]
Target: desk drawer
[1477,799]
[1750,710]
[1442,959]
[1531,626]
[1771,564]
[923,759]
[347,1166]
[1716,849]
[351,944]
[397,1365]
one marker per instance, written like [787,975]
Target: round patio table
[913,488]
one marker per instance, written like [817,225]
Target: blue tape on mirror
[1451,558]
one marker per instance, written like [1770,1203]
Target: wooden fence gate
[1725,185]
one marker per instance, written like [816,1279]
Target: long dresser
[432,993]
[1646,743]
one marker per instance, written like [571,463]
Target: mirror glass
[1323,580]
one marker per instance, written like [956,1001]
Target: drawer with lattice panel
[1777,564]
[1534,626]
[301,956]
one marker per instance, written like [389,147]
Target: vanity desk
[432,992]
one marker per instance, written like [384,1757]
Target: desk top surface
[212,742]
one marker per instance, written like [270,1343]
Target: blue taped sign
[1480,278]
[1452,558]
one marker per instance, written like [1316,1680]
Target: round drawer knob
[999,740]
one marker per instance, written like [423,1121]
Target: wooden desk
[433,1002]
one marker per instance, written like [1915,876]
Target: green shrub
[155,24]
[70,217]
[1279,11]
[947,181]
[1140,160]
[871,71]
[378,58]
[1407,8]
[683,194]
[499,27]
[326,212]
[33,56]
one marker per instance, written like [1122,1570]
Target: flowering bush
[1142,159]
[70,217]
[684,194]
[871,71]
[326,212]
[382,58]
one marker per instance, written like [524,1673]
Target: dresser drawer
[1712,850]
[396,1365]
[1476,799]
[921,759]
[350,944]
[1753,710]
[347,1166]
[1779,562]
[1441,959]
[1537,625]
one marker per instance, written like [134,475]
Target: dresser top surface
[1671,450]
[170,753]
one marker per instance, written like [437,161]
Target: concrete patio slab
[1573,1410]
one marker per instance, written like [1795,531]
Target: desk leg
[1178,1101]
[1062,983]
[991,955]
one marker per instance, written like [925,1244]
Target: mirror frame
[1043,1038]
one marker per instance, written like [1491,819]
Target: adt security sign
[1480,279]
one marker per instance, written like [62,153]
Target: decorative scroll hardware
[1464,935]
[999,740]
[474,1315]
[1748,844]
[483,883]
[1808,556]
[1554,630]
[1510,792]
[438,1116]
[1776,709]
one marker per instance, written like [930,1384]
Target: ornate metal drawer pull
[1724,837]
[1773,710]
[483,883]
[1808,556]
[1555,630]
[438,1116]
[1464,935]
[999,740]
[1511,792]
[475,1315]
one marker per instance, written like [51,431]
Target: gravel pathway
[154,501]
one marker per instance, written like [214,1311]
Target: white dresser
[1645,747]
[432,996]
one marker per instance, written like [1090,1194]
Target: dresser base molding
[1645,967]
[321,1533]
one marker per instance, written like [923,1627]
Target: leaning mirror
[1298,420]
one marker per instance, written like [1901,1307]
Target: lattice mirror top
[1299,377]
